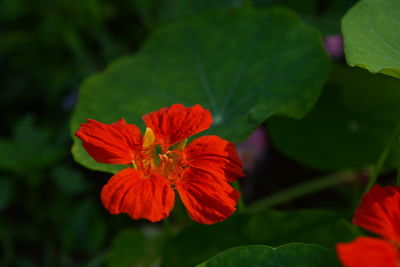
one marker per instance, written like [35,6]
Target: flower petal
[368,252]
[379,212]
[175,123]
[115,143]
[214,154]
[129,191]
[207,199]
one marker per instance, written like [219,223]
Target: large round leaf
[244,65]
[290,255]
[371,36]
[197,242]
[349,126]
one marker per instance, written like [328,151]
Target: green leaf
[289,255]
[244,65]
[371,36]
[30,150]
[8,155]
[303,7]
[177,9]
[83,228]
[349,126]
[69,180]
[196,243]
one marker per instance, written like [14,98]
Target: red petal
[368,252]
[214,154]
[173,124]
[116,143]
[130,192]
[379,212]
[207,199]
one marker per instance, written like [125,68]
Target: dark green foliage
[245,60]
[356,113]
[196,243]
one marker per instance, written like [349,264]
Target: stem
[382,158]
[241,205]
[303,189]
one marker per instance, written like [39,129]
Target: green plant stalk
[303,189]
[241,205]
[382,158]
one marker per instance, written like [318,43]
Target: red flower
[161,162]
[379,212]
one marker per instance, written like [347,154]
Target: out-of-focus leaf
[178,9]
[8,155]
[84,228]
[289,255]
[196,243]
[6,192]
[325,17]
[69,180]
[245,65]
[301,7]
[30,149]
[371,36]
[349,126]
[132,247]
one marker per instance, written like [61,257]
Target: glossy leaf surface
[245,65]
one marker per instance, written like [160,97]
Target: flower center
[167,161]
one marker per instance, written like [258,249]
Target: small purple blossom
[252,149]
[334,46]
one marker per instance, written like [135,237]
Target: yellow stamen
[149,148]
[148,138]
[134,165]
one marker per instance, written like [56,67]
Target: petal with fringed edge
[207,199]
[129,191]
[173,124]
[215,156]
[379,212]
[116,143]
[368,252]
